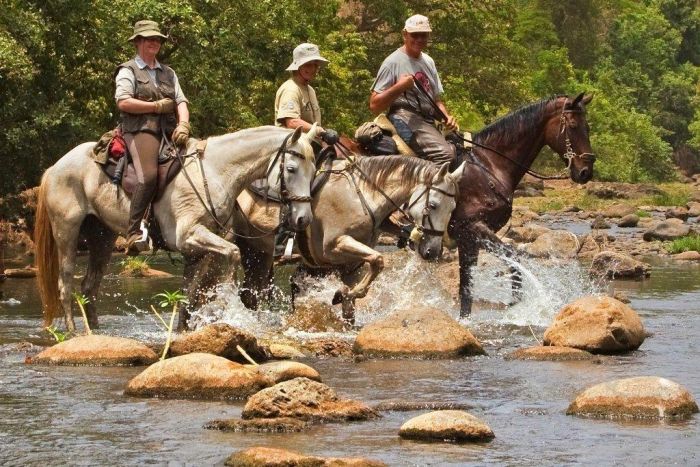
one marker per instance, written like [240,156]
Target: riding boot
[137,240]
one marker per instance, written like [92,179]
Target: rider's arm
[380,101]
[294,123]
[451,122]
[183,112]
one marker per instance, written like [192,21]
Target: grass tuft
[679,245]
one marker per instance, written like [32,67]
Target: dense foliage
[639,58]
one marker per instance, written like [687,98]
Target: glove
[165,106]
[330,137]
[181,134]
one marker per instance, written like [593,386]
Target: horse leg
[100,242]
[468,255]
[257,274]
[191,277]
[357,251]
[516,278]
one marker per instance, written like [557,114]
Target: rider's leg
[428,143]
[143,148]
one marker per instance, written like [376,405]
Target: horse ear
[313,132]
[454,176]
[296,135]
[577,100]
[444,169]
[587,99]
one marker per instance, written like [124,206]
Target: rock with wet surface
[670,229]
[687,256]
[305,399]
[285,370]
[600,223]
[619,210]
[197,376]
[285,352]
[314,316]
[219,339]
[419,332]
[644,397]
[597,324]
[589,247]
[259,425]
[630,220]
[528,233]
[616,265]
[275,457]
[550,354]
[97,350]
[446,425]
[554,244]
[693,209]
[678,212]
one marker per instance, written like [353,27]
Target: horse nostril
[583,173]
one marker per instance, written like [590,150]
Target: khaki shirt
[294,101]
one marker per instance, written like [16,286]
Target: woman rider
[152,106]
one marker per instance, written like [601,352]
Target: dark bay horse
[503,153]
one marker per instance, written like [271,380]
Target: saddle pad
[166,172]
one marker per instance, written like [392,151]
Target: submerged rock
[446,425]
[646,397]
[600,223]
[555,244]
[97,350]
[219,339]
[259,425]
[197,376]
[550,354]
[413,406]
[274,457]
[286,370]
[314,316]
[630,220]
[618,266]
[421,332]
[597,324]
[305,399]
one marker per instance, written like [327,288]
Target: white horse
[78,201]
[348,211]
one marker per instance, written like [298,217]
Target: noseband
[569,153]
[281,155]
[422,228]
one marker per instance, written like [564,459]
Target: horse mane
[508,129]
[273,141]
[411,170]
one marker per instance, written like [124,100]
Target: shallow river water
[79,415]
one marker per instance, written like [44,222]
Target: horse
[348,211]
[76,200]
[503,152]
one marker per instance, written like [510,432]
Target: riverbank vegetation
[639,58]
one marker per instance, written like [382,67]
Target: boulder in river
[600,223]
[670,229]
[687,256]
[618,266]
[678,212]
[527,233]
[619,210]
[550,354]
[305,399]
[693,209]
[646,397]
[446,425]
[597,324]
[285,370]
[630,220]
[97,350]
[197,376]
[555,244]
[219,339]
[275,457]
[419,332]
[284,351]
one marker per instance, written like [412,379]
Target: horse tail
[46,259]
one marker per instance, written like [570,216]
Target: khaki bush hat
[417,23]
[146,28]
[305,53]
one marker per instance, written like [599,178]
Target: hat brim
[295,65]
[410,30]
[147,34]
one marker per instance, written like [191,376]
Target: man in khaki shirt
[295,102]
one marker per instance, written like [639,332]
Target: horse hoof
[337,298]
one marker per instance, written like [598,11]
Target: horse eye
[433,205]
[291,169]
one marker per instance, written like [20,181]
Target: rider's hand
[330,137]
[165,106]
[451,123]
[405,82]
[181,134]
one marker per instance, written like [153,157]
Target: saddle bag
[375,139]
[110,145]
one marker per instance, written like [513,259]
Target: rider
[295,102]
[152,107]
[409,109]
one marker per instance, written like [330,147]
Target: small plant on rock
[82,300]
[134,266]
[169,299]
[58,335]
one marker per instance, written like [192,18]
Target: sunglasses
[419,35]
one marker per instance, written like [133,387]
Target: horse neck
[519,138]
[396,188]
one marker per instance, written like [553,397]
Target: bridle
[569,153]
[286,197]
[430,229]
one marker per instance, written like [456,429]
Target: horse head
[571,140]
[430,207]
[290,174]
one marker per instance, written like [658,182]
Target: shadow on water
[79,415]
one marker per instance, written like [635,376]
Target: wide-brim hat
[305,53]
[417,23]
[147,28]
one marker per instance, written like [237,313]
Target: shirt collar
[141,64]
